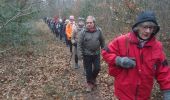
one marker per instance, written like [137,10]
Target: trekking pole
[70,58]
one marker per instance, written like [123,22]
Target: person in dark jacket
[60,28]
[136,58]
[90,40]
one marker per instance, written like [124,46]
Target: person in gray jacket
[90,41]
[74,39]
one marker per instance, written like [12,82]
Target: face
[81,24]
[146,29]
[90,23]
[71,20]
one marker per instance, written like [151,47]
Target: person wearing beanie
[74,39]
[136,59]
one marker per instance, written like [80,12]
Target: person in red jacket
[136,58]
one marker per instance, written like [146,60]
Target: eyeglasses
[151,27]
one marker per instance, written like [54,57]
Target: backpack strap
[84,31]
[99,29]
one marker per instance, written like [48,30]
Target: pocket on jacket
[151,66]
[114,71]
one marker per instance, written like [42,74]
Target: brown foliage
[48,75]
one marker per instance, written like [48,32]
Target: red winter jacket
[136,83]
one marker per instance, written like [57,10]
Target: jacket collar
[133,39]
[94,30]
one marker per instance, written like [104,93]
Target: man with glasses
[90,41]
[136,58]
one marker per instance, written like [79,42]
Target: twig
[70,58]
[26,14]
[15,17]
[20,13]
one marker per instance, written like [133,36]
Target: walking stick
[70,58]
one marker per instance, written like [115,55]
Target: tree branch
[20,13]
[26,14]
[15,17]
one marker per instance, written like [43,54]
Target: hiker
[90,40]
[74,39]
[63,30]
[136,58]
[52,25]
[65,22]
[60,28]
[56,21]
[69,30]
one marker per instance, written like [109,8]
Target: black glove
[74,44]
[125,62]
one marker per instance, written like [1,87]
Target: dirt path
[45,74]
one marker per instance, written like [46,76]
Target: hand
[74,44]
[80,56]
[125,62]
[166,95]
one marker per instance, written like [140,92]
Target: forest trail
[42,71]
[48,75]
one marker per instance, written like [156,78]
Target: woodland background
[34,65]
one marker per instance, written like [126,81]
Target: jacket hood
[133,39]
[146,16]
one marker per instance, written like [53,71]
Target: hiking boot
[94,82]
[89,87]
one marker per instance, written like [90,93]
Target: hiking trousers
[92,66]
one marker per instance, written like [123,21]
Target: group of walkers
[134,59]
[84,40]
[57,27]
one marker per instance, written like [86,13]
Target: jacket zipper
[137,89]
[141,62]
[141,56]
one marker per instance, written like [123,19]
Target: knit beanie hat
[81,19]
[146,16]
[81,22]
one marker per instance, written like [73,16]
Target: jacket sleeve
[73,35]
[109,54]
[102,40]
[163,71]
[68,31]
[80,44]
